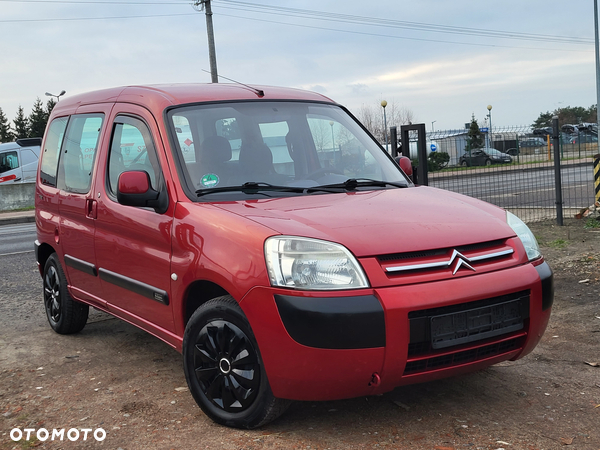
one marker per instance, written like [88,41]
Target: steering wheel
[322,171]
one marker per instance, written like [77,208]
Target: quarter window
[54,138]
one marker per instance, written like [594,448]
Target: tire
[65,315]
[488,162]
[218,345]
[464,164]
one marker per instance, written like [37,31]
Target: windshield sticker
[209,180]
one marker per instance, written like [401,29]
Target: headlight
[312,264]
[524,233]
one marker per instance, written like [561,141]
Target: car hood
[381,221]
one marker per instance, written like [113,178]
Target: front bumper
[325,346]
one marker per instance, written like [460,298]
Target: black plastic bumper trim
[81,265]
[151,292]
[333,322]
[547,277]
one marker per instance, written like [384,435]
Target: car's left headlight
[524,233]
[312,264]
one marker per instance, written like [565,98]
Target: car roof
[160,96]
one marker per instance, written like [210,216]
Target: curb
[8,218]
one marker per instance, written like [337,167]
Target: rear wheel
[464,164]
[488,162]
[65,315]
[224,369]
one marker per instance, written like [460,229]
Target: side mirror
[133,189]
[405,164]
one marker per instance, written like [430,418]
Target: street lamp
[332,138]
[489,108]
[57,96]
[383,105]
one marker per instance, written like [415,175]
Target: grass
[592,222]
[558,243]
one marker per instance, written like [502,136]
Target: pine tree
[21,124]
[50,104]
[6,134]
[474,138]
[37,119]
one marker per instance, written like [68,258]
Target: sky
[443,61]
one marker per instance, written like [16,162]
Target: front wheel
[224,369]
[65,315]
[488,162]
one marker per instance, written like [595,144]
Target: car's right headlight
[312,264]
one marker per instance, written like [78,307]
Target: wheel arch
[43,252]
[197,294]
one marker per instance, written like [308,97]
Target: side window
[131,148]
[8,161]
[51,151]
[78,153]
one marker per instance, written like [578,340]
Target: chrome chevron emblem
[461,260]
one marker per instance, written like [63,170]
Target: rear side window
[54,138]
[8,161]
[78,152]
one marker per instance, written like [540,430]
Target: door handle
[91,208]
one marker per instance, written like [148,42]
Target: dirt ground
[115,377]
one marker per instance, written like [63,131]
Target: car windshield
[279,144]
[493,152]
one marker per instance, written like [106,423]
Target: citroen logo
[458,259]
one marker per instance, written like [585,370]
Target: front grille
[463,357]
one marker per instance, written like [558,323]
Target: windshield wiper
[251,187]
[352,183]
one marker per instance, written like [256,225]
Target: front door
[133,245]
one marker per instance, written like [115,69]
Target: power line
[397,37]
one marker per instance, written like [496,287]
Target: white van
[19,160]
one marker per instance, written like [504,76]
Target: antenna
[258,92]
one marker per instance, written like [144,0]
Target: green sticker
[209,180]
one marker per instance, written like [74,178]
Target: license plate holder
[476,324]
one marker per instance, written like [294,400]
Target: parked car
[220,219]
[532,142]
[19,161]
[484,157]
[512,151]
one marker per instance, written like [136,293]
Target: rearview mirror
[405,164]
[134,189]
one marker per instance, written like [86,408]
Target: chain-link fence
[515,168]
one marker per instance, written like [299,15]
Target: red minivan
[267,236]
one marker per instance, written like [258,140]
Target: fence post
[597,178]
[394,141]
[421,149]
[557,179]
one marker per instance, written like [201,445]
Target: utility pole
[199,5]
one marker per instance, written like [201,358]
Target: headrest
[215,149]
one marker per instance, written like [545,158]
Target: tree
[474,137]
[50,104]
[567,115]
[371,116]
[21,124]
[6,134]
[37,119]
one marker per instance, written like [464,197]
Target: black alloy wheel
[65,315]
[224,369]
